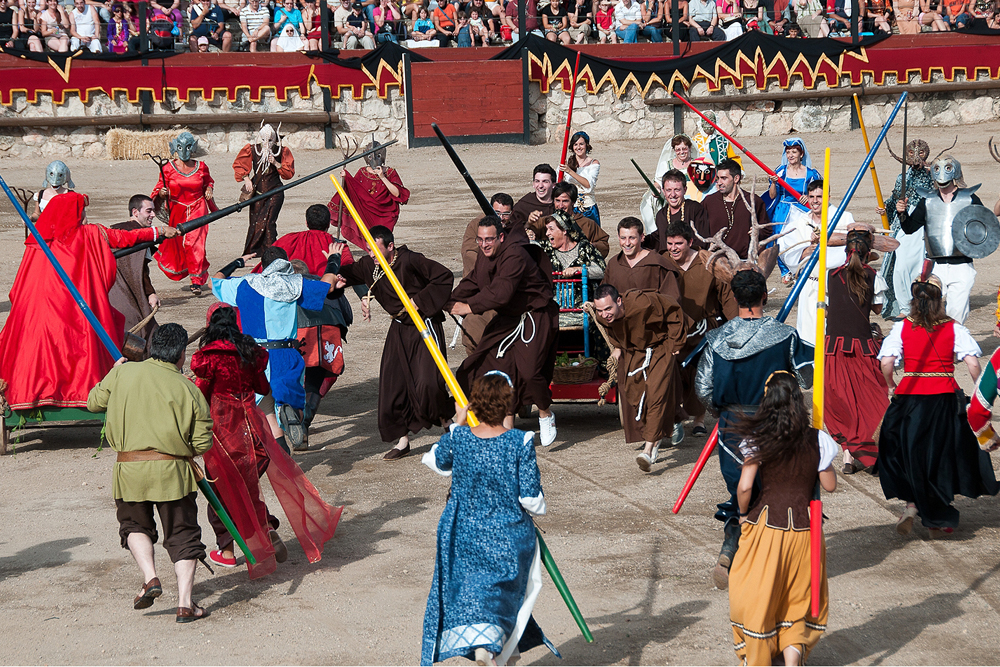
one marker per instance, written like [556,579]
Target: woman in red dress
[49,354]
[229,369]
[189,191]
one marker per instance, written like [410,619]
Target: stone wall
[601,115]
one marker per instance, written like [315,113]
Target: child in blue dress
[487,574]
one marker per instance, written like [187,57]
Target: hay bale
[130,145]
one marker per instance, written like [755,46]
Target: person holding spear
[157,421]
[738,355]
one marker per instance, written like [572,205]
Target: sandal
[149,592]
[905,523]
[196,290]
[851,468]
[191,614]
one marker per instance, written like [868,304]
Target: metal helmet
[57,175]
[946,169]
[376,159]
[184,145]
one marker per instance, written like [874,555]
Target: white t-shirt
[623,13]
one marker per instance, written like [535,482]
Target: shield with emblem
[976,231]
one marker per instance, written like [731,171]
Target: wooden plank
[469,129]
[508,105]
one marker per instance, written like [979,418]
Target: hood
[741,338]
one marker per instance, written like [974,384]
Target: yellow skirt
[769,594]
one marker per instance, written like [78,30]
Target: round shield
[976,231]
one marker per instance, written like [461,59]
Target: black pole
[855,38]
[324,28]
[477,192]
[675,30]
[328,108]
[522,19]
[143,37]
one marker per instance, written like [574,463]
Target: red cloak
[49,354]
[309,247]
[374,202]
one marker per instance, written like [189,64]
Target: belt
[281,344]
[148,455]
[951,260]
[929,375]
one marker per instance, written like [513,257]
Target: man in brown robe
[726,209]
[647,330]
[678,209]
[520,340]
[473,324]
[259,168]
[133,295]
[707,300]
[535,205]
[638,268]
[563,196]
[411,391]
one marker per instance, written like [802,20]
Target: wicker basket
[580,374]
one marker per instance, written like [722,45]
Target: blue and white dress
[487,575]
[781,207]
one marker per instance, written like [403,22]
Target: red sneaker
[219,559]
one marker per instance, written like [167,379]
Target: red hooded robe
[49,354]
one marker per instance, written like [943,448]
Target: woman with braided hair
[927,450]
[854,411]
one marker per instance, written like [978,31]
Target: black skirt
[928,454]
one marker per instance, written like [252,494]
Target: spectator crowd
[294,25]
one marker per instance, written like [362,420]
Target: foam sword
[192,225]
[786,308]
[115,353]
[451,381]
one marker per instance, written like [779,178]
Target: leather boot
[720,575]
[312,404]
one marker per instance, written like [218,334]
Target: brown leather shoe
[149,592]
[394,454]
[280,550]
[191,614]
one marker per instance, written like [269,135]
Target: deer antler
[718,250]
[893,153]
[953,144]
[994,151]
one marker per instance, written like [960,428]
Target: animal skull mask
[376,159]
[57,175]
[945,170]
[184,145]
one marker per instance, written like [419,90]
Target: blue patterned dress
[488,572]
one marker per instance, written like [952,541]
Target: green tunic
[151,406]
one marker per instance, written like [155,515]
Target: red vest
[928,352]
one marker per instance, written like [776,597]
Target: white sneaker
[644,462]
[678,435]
[547,428]
[484,657]
[655,452]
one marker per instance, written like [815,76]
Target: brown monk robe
[132,289]
[512,283]
[732,215]
[524,208]
[690,212]
[263,229]
[652,272]
[648,332]
[703,297]
[411,391]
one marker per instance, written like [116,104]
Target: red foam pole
[698,466]
[767,170]
[569,116]
[815,551]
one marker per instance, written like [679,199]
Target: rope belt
[148,455]
[642,369]
[929,375]
[518,332]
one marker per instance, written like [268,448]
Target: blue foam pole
[814,258]
[94,322]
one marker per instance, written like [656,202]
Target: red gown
[184,255]
[49,354]
[244,435]
[374,202]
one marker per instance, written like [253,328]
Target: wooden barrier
[293,117]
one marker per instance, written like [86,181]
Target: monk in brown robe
[503,205]
[259,167]
[678,209]
[707,300]
[520,339]
[636,267]
[411,391]
[532,207]
[726,209]
[133,295]
[647,330]
[563,196]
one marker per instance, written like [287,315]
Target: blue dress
[487,572]
[778,209]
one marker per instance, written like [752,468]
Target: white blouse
[965,344]
[590,173]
